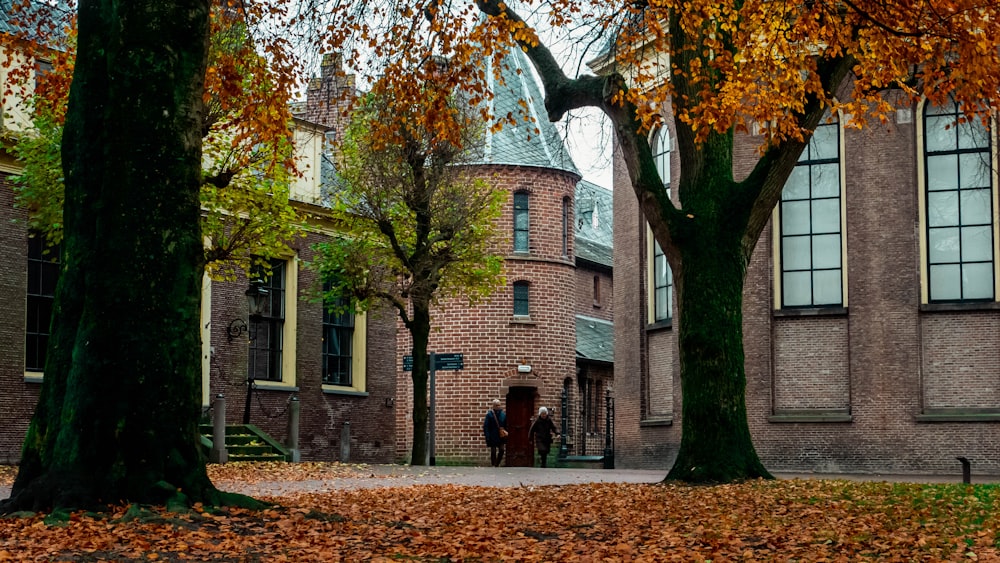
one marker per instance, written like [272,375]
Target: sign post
[443,362]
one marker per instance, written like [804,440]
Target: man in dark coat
[542,431]
[495,420]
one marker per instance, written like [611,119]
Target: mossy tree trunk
[118,413]
[710,263]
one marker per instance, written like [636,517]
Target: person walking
[495,431]
[542,431]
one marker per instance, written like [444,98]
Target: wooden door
[520,408]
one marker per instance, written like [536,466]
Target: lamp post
[256,299]
[563,446]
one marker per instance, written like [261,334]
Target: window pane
[945,282]
[943,245]
[942,172]
[942,209]
[796,290]
[521,241]
[972,135]
[825,180]
[661,311]
[826,251]
[795,253]
[977,244]
[940,133]
[977,281]
[797,185]
[977,207]
[974,170]
[948,107]
[521,220]
[795,218]
[826,287]
[826,215]
[824,144]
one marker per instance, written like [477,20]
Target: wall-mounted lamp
[390,402]
[523,368]
[256,295]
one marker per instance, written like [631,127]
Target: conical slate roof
[520,145]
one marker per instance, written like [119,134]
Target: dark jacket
[492,425]
[542,430]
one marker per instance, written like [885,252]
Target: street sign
[442,362]
[448,362]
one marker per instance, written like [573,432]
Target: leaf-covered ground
[789,520]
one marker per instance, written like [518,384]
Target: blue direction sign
[448,362]
[442,362]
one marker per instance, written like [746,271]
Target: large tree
[724,68]
[118,413]
[418,224]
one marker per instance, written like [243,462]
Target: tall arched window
[521,222]
[958,187]
[565,226]
[521,299]
[810,226]
[661,277]
[661,154]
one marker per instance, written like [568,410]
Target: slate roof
[6,6]
[594,339]
[594,224]
[521,145]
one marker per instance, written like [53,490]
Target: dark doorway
[520,408]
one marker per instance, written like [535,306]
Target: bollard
[345,443]
[219,452]
[293,429]
[966,470]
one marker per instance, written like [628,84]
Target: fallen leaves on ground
[789,520]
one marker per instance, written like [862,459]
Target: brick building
[339,368]
[523,344]
[871,315]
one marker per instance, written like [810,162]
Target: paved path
[404,476]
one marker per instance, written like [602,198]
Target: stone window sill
[653,422]
[951,307]
[811,416]
[959,415]
[811,312]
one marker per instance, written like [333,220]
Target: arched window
[810,225]
[521,222]
[565,226]
[521,299]
[958,187]
[661,154]
[661,276]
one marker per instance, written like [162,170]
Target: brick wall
[889,361]
[600,306]
[18,396]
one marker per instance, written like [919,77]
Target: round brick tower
[518,346]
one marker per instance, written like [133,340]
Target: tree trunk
[716,446]
[118,413]
[420,330]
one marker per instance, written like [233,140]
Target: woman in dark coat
[542,431]
[494,421]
